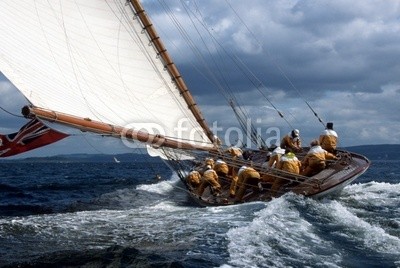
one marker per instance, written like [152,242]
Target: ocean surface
[121,215]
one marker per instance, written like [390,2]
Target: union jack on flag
[32,135]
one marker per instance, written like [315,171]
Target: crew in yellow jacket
[328,138]
[273,161]
[194,178]
[210,178]
[289,163]
[315,159]
[235,152]
[247,176]
[292,141]
[221,168]
[275,157]
[210,162]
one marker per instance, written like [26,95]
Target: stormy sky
[342,58]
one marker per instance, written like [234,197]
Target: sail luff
[171,67]
[86,124]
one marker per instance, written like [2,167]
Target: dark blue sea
[119,215]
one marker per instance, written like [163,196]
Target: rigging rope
[257,83]
[241,118]
[228,95]
[10,113]
[276,65]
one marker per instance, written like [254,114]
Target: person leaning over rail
[273,161]
[328,139]
[210,162]
[224,172]
[221,168]
[275,157]
[289,163]
[292,141]
[247,176]
[315,159]
[235,153]
[194,178]
[209,178]
[207,162]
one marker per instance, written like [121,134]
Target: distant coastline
[373,152]
[377,152]
[87,158]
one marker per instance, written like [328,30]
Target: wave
[168,192]
[358,228]
[161,187]
[373,189]
[279,236]
[298,231]
[380,198]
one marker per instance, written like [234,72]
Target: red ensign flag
[33,135]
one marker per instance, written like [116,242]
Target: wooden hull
[328,182]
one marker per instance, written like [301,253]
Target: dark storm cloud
[341,56]
[319,45]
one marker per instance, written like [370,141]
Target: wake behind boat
[101,67]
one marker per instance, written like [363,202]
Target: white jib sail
[91,58]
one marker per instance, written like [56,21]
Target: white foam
[374,193]
[358,229]
[277,236]
[161,187]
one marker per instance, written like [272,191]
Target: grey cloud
[319,45]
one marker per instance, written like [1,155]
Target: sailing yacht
[100,66]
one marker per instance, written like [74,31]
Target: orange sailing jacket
[290,143]
[221,167]
[290,163]
[328,140]
[316,157]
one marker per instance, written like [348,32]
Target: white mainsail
[92,59]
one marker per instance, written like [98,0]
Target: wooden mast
[171,67]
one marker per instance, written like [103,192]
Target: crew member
[315,159]
[328,139]
[221,168]
[209,178]
[273,161]
[289,163]
[292,141]
[236,153]
[275,157]
[194,178]
[209,162]
[247,176]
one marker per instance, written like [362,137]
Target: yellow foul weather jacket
[328,140]
[290,163]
